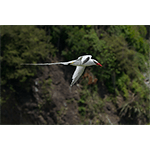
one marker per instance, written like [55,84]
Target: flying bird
[80,63]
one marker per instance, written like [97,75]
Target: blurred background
[116,94]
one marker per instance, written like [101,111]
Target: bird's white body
[84,61]
[80,63]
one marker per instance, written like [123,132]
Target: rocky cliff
[51,101]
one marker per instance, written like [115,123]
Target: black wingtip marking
[86,60]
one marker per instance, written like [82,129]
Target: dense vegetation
[122,50]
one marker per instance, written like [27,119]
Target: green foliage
[22,44]
[139,88]
[90,104]
[2,101]
[82,110]
[82,102]
[122,50]
[131,108]
[76,43]
[118,48]
[46,93]
[123,84]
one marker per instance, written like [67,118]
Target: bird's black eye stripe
[86,60]
[95,62]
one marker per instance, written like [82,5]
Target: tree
[22,44]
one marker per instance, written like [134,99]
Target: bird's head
[96,62]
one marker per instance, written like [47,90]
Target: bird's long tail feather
[43,64]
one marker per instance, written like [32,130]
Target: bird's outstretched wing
[84,56]
[43,64]
[78,72]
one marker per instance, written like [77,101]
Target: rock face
[52,102]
